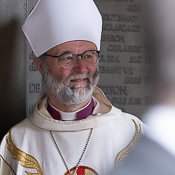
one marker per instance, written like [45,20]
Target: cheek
[57,70]
[63,74]
[92,70]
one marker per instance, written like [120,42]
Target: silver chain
[59,151]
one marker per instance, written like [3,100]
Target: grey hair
[42,60]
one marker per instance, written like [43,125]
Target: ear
[37,63]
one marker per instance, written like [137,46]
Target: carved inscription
[147,48]
[113,58]
[135,59]
[115,70]
[125,57]
[148,79]
[32,67]
[113,38]
[125,48]
[148,59]
[119,100]
[134,8]
[31,109]
[121,27]
[119,18]
[31,56]
[134,101]
[109,58]
[116,90]
[149,100]
[132,80]
[34,88]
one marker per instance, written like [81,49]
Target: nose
[80,66]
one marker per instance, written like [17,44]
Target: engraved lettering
[149,100]
[32,67]
[115,70]
[117,48]
[134,8]
[134,101]
[135,59]
[128,48]
[112,58]
[119,18]
[31,109]
[148,59]
[102,58]
[32,55]
[110,70]
[147,48]
[132,80]
[127,70]
[34,88]
[121,27]
[148,79]
[116,90]
[113,38]
[119,100]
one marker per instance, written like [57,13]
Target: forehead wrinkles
[73,46]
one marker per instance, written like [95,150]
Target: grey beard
[70,95]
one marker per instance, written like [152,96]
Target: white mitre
[53,22]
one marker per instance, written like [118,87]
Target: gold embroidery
[124,152]
[89,172]
[83,170]
[27,161]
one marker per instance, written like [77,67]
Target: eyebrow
[66,52]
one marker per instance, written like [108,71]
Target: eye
[88,56]
[67,58]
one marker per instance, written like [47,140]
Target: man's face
[70,86]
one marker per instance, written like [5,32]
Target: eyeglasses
[68,60]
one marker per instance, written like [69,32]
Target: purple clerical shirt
[79,115]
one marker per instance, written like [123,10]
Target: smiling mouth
[79,80]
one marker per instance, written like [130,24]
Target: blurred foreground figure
[161,116]
[147,158]
[154,154]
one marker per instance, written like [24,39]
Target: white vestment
[28,147]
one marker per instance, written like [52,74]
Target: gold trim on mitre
[27,161]
[124,152]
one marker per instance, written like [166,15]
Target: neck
[62,107]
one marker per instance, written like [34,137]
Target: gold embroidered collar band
[62,158]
